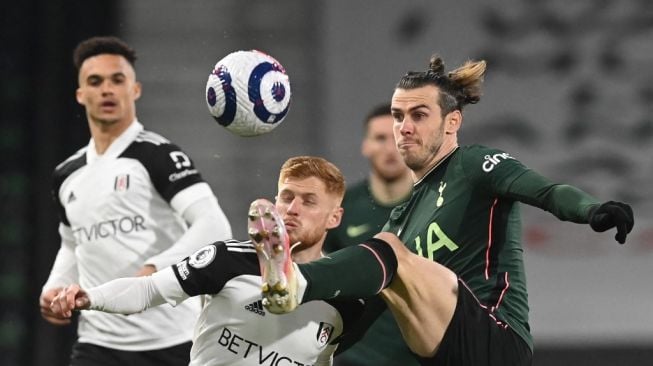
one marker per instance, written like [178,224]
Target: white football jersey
[120,209]
[235,329]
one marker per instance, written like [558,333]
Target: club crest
[324,333]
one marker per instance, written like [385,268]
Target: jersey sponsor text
[109,228]
[237,345]
[183,174]
[493,160]
[436,239]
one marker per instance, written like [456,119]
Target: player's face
[307,210]
[419,129]
[108,89]
[380,149]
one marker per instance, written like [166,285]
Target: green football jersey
[364,217]
[464,214]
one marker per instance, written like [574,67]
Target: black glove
[613,214]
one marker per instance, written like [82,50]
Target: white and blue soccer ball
[248,92]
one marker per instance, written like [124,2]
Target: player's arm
[572,204]
[207,224]
[508,177]
[123,295]
[566,202]
[64,271]
[204,272]
[175,177]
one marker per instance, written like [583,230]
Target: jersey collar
[117,146]
[444,158]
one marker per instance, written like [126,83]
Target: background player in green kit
[449,263]
[367,205]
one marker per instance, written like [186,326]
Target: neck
[305,254]
[104,134]
[443,152]
[389,192]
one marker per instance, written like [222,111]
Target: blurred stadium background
[569,92]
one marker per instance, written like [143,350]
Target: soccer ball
[248,92]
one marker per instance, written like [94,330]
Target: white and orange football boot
[268,233]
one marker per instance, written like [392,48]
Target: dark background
[41,126]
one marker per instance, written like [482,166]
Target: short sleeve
[171,170]
[207,270]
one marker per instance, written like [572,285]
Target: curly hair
[102,45]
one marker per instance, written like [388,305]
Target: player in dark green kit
[449,262]
[367,205]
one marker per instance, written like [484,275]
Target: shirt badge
[324,333]
[121,183]
[440,200]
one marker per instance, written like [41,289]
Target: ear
[452,122]
[365,147]
[335,218]
[78,96]
[137,90]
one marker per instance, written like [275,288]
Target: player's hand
[147,270]
[71,298]
[44,303]
[613,214]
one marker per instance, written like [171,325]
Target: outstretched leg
[422,298]
[420,293]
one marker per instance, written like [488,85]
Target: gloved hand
[613,214]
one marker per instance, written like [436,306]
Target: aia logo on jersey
[121,184]
[324,333]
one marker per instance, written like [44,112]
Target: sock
[354,272]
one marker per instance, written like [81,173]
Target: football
[248,92]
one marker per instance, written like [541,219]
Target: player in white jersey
[234,327]
[130,203]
